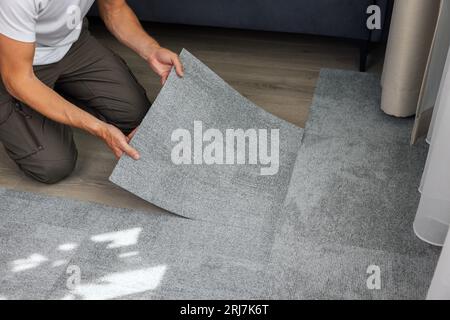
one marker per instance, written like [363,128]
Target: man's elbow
[11,85]
[15,83]
[109,10]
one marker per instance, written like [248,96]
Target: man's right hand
[17,75]
[117,141]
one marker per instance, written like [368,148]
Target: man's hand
[162,60]
[125,26]
[131,135]
[117,141]
[16,70]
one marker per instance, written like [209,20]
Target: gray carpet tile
[350,204]
[352,200]
[346,104]
[357,190]
[333,271]
[202,259]
[127,253]
[32,257]
[233,194]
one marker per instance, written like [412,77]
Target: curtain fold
[410,38]
[433,75]
[440,285]
[433,215]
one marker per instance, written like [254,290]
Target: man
[48,58]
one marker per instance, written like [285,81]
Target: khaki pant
[98,80]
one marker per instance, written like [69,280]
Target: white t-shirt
[54,25]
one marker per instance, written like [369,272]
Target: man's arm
[125,26]
[16,69]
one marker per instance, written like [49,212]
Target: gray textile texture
[350,204]
[123,253]
[234,194]
[352,199]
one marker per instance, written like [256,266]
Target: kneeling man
[49,61]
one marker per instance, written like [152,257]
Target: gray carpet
[233,194]
[350,203]
[352,200]
[123,253]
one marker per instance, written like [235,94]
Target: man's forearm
[122,22]
[50,104]
[125,26]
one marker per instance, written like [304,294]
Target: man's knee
[138,106]
[49,171]
[139,111]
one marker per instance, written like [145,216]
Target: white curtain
[440,286]
[433,216]
[433,73]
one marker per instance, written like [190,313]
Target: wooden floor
[276,71]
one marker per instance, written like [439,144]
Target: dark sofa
[338,18]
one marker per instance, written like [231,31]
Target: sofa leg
[363,54]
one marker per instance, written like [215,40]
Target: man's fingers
[164,77]
[131,135]
[118,142]
[118,153]
[178,65]
[129,150]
